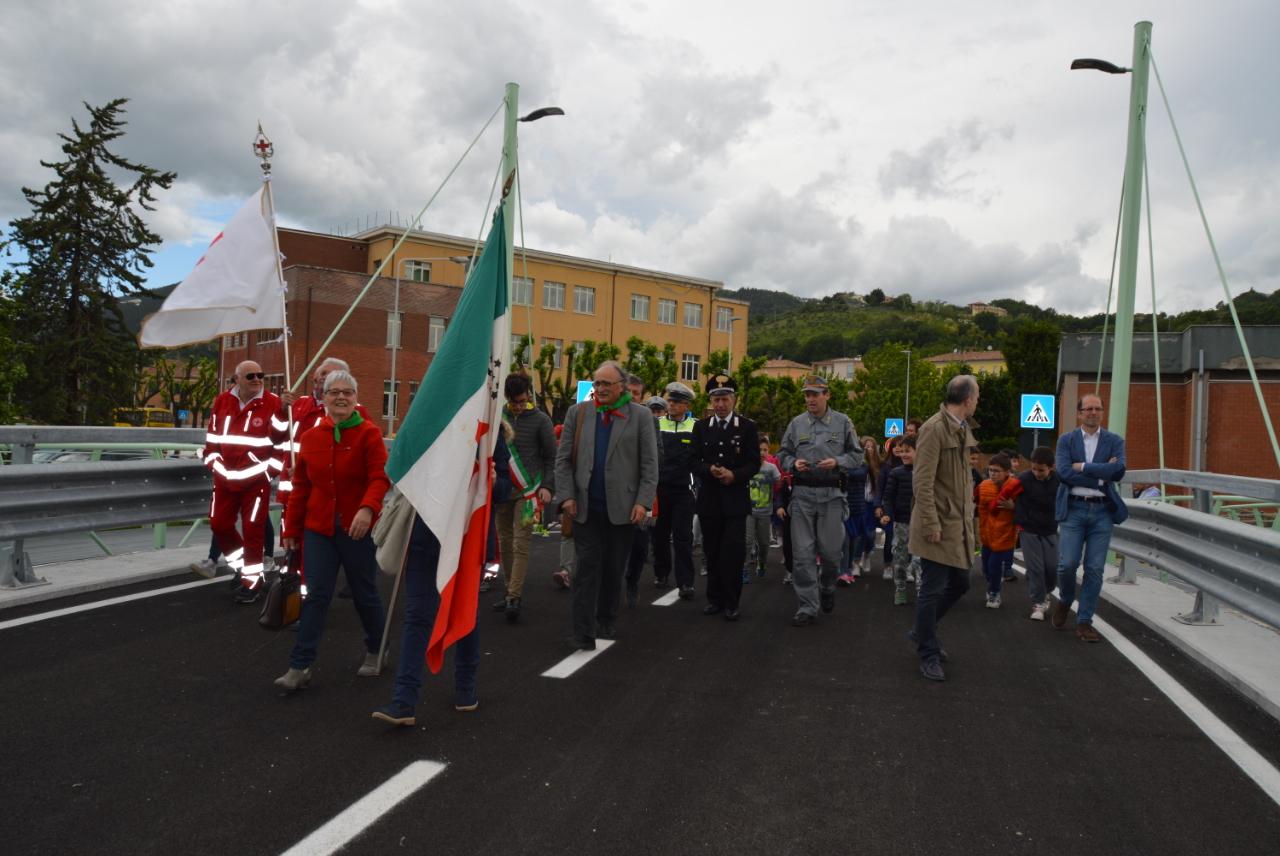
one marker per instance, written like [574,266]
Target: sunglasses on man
[254,375]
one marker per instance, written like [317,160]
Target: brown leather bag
[283,602]
[566,519]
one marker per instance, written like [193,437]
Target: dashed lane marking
[577,660]
[99,604]
[366,811]
[668,598]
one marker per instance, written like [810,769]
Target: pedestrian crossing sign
[892,428]
[585,391]
[1037,411]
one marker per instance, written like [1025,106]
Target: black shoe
[500,605]
[512,609]
[661,583]
[732,615]
[584,643]
[1012,578]
[633,597]
[932,670]
[828,601]
[606,631]
[712,609]
[247,595]
[686,592]
[803,619]
[234,581]
[942,652]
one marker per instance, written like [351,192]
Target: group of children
[1013,509]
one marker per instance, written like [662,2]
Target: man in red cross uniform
[242,449]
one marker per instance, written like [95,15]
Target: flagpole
[264,150]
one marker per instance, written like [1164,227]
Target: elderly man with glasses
[242,450]
[606,477]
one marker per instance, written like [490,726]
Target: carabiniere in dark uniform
[733,443]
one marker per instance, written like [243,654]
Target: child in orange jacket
[995,528]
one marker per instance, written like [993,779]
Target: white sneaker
[370,668]
[1037,612]
[888,574]
[294,679]
[206,568]
[1046,605]
[993,601]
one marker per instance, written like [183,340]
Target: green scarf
[623,401]
[350,422]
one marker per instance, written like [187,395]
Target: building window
[553,295]
[724,319]
[522,291]
[689,364]
[274,383]
[435,332]
[388,398]
[413,390]
[558,359]
[266,337]
[584,300]
[693,315]
[395,321]
[666,311]
[639,307]
[517,344]
[417,271]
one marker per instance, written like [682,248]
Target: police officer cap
[679,391]
[721,384]
[656,403]
[816,383]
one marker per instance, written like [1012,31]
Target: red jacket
[307,413]
[336,478]
[241,443]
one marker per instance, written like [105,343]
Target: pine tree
[83,248]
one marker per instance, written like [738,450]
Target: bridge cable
[1111,285]
[1217,260]
[524,258]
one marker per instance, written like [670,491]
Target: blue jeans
[942,586]
[1087,529]
[421,603]
[324,554]
[995,564]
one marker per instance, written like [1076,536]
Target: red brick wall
[1237,440]
[317,300]
[326,251]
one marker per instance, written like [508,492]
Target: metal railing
[1207,546]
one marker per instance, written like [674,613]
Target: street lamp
[465,262]
[906,402]
[733,319]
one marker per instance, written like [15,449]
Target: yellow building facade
[562,300]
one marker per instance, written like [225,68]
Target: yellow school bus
[143,417]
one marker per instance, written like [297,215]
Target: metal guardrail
[22,440]
[52,499]
[1226,560]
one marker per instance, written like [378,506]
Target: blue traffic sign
[1037,411]
[893,428]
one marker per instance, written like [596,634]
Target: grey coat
[631,465]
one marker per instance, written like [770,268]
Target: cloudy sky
[937,148]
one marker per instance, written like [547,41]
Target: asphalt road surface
[153,727]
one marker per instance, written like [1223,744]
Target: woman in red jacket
[339,480]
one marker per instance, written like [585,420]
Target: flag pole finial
[263,150]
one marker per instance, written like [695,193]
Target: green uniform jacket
[943,492]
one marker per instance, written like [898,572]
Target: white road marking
[668,598]
[340,831]
[99,604]
[577,660]
[1256,767]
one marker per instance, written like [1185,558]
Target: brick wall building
[318,298]
[1235,439]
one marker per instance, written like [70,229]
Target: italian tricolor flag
[442,458]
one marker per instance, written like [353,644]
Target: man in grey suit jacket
[606,477]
